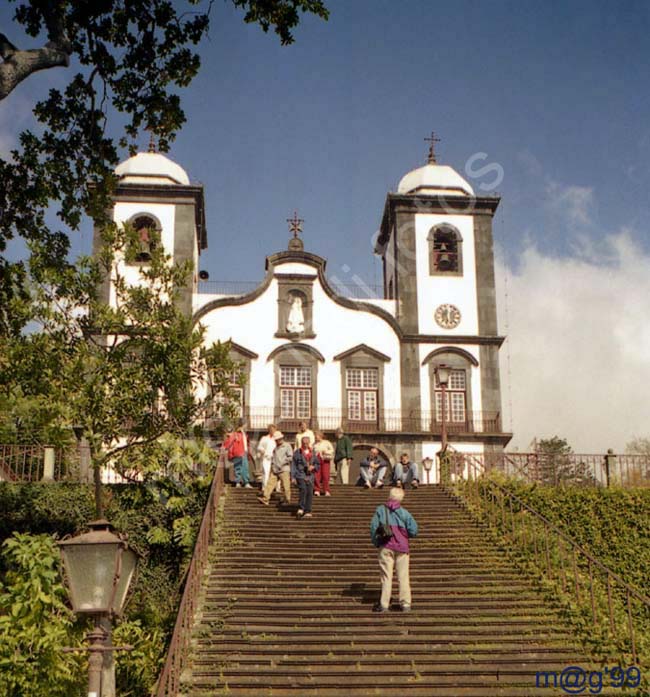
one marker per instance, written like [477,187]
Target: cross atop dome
[432,140]
[295,226]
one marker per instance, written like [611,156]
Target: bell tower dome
[155,192]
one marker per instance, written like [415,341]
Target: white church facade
[371,366]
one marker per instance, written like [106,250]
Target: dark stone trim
[425,188]
[295,276]
[235,300]
[290,285]
[410,391]
[458,360]
[300,348]
[171,194]
[453,339]
[490,378]
[451,349]
[366,349]
[485,282]
[297,256]
[184,242]
[308,357]
[420,203]
[367,359]
[406,287]
[319,264]
[242,350]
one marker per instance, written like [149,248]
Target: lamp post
[427,464]
[99,566]
[442,373]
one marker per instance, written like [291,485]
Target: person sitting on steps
[405,472]
[373,470]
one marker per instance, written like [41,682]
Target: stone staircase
[287,608]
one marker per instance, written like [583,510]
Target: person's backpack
[384,532]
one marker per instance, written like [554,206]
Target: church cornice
[453,339]
[153,193]
[304,348]
[438,203]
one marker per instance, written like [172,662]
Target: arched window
[459,415]
[445,250]
[146,227]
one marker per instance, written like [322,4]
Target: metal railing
[608,469]
[615,607]
[168,684]
[35,463]
[384,420]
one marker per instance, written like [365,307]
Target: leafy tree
[130,57]
[127,374]
[640,446]
[35,623]
[554,446]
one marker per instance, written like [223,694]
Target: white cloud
[574,203]
[579,343]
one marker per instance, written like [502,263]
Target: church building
[404,372]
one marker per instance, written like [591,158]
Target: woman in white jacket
[265,449]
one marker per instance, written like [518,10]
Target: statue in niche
[296,320]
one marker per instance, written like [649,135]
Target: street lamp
[442,373]
[427,463]
[99,567]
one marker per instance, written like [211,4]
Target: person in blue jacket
[394,552]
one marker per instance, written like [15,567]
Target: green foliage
[554,445]
[35,623]
[127,375]
[131,57]
[163,534]
[613,524]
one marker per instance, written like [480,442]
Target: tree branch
[18,65]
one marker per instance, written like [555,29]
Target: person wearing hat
[280,470]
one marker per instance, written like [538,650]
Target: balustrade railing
[169,682]
[383,420]
[570,468]
[35,463]
[614,607]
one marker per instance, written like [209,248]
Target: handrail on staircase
[170,678]
[557,555]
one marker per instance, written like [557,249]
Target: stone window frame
[363,356]
[456,359]
[245,357]
[433,271]
[300,355]
[290,285]
[157,226]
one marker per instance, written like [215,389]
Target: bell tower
[155,194]
[435,241]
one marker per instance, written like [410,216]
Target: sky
[546,104]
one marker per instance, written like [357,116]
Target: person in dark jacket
[373,470]
[343,455]
[303,466]
[394,552]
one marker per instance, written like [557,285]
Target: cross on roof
[295,224]
[152,141]
[432,140]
